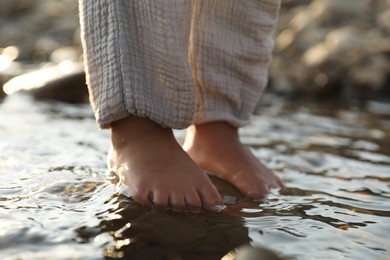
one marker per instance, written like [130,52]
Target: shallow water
[57,202]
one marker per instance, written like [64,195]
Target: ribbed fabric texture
[177,62]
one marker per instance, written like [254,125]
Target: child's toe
[193,202]
[161,201]
[177,203]
[211,200]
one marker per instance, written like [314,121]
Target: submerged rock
[158,234]
[256,253]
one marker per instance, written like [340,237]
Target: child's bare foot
[216,147]
[150,161]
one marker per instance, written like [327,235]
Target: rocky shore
[323,48]
[333,48]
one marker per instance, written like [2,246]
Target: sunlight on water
[57,202]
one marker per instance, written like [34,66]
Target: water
[57,202]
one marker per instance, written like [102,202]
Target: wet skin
[149,160]
[216,147]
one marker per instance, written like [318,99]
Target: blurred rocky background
[40,49]
[333,48]
[323,49]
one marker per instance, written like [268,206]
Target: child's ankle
[214,130]
[134,129]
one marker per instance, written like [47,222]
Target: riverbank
[323,48]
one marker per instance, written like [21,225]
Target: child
[156,65]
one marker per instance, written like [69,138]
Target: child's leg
[230,50]
[137,73]
[136,60]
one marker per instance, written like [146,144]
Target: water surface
[57,201]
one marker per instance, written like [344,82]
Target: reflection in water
[56,201]
[143,234]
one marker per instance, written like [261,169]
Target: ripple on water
[55,200]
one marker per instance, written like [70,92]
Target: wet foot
[148,159]
[216,148]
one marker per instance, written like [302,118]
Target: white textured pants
[177,62]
